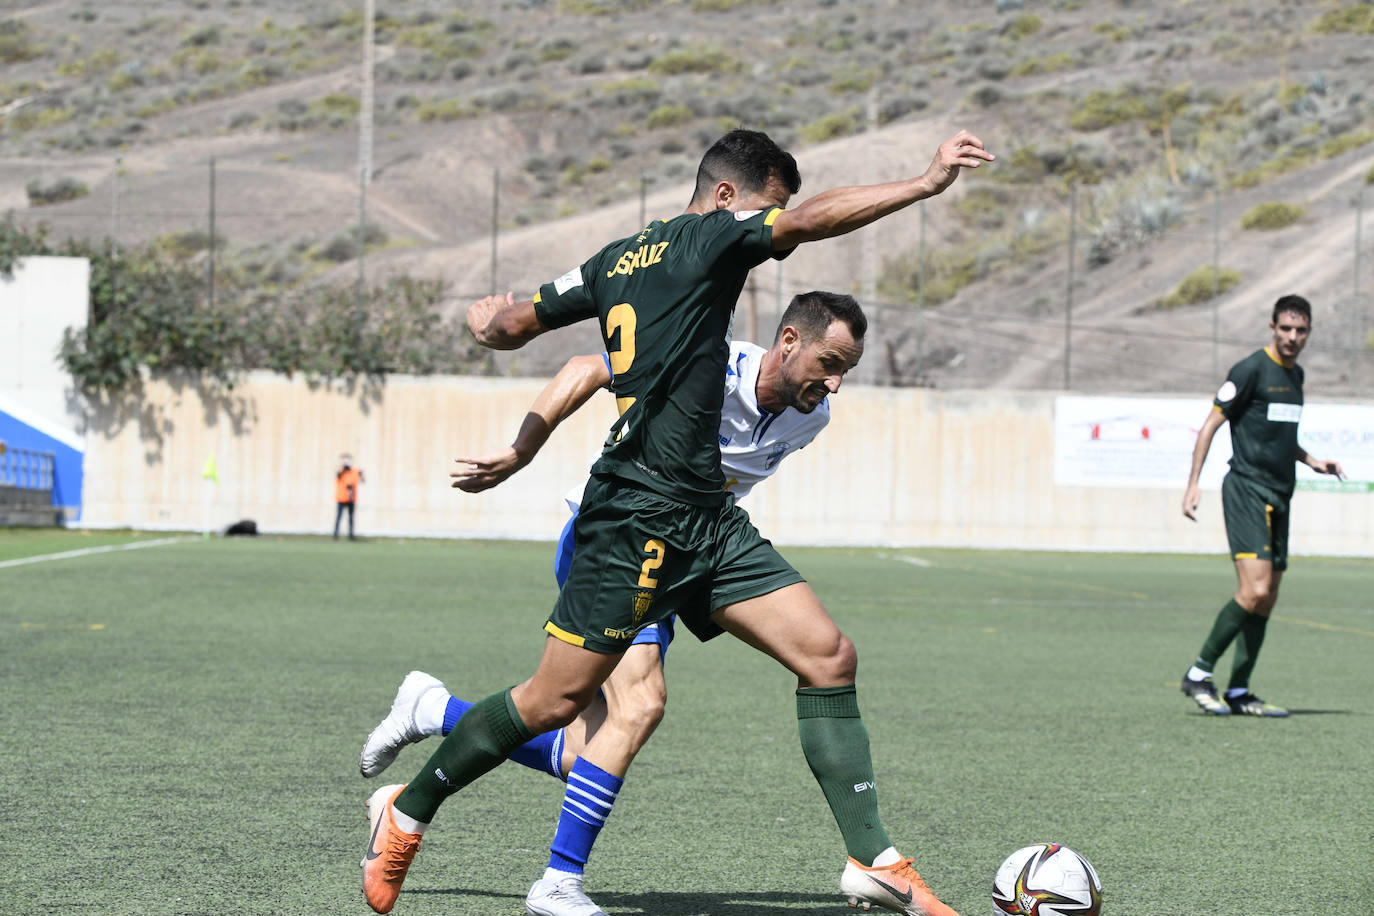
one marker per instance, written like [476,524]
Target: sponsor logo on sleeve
[1227,391]
[569,280]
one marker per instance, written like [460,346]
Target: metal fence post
[1068,293]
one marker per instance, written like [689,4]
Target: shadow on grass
[682,903]
[1320,712]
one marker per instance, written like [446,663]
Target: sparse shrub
[668,115]
[444,110]
[16,45]
[1344,143]
[1023,26]
[854,81]
[993,68]
[207,35]
[1144,214]
[830,127]
[59,191]
[1101,108]
[1357,18]
[183,245]
[1273,168]
[1112,32]
[1272,215]
[243,119]
[344,246]
[1369,175]
[894,108]
[985,96]
[699,59]
[1034,66]
[1200,285]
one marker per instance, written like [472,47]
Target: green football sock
[483,737]
[835,743]
[1247,650]
[1228,624]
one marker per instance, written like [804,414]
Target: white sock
[1233,692]
[429,711]
[1197,674]
[553,874]
[405,823]
[888,856]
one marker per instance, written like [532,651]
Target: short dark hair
[812,314]
[748,158]
[1295,304]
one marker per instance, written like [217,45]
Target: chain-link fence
[1159,286]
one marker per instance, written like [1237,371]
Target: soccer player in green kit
[1262,400]
[657,533]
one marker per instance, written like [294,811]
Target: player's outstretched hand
[1327,466]
[477,474]
[1190,501]
[961,151]
[481,312]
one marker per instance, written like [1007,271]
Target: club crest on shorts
[642,602]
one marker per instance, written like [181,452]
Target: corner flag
[210,472]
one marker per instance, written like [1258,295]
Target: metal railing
[26,469]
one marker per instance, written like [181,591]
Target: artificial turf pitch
[182,723]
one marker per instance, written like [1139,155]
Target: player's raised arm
[841,210]
[501,323]
[1193,495]
[574,384]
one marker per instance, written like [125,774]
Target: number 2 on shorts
[656,549]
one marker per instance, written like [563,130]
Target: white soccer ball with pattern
[1047,879]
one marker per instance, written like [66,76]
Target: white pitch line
[88,551]
[914,561]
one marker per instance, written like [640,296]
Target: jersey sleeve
[1238,389]
[743,239]
[566,300]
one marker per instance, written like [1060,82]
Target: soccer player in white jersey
[775,403]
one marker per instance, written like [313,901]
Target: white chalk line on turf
[914,561]
[89,551]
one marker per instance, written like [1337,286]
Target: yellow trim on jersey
[1217,408]
[571,639]
[1284,363]
[768,220]
[1239,556]
[538,297]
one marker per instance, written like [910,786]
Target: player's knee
[837,665]
[1258,593]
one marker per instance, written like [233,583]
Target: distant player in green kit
[1262,400]
[657,533]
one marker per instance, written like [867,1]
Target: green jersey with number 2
[665,299]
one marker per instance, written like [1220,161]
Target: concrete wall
[896,467]
[44,297]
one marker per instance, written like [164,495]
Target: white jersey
[752,440]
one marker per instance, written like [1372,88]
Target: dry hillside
[1170,131]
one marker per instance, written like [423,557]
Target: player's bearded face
[816,368]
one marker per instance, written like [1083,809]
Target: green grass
[182,727]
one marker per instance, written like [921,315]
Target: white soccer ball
[1046,879]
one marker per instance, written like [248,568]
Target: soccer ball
[1046,879]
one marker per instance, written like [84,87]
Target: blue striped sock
[586,805]
[542,752]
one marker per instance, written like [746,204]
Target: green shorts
[638,557]
[1256,521]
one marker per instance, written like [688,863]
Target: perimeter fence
[1158,286]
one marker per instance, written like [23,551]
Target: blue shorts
[657,634]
